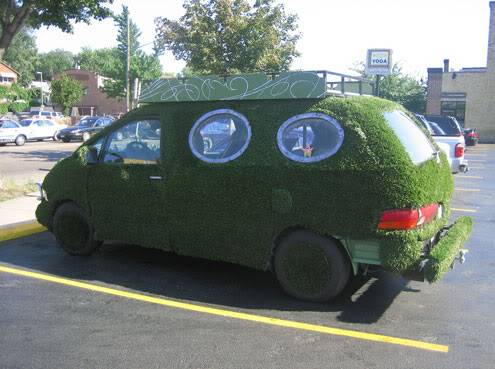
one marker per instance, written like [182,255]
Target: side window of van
[137,142]
[220,136]
[310,137]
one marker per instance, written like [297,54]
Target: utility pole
[41,87]
[127,67]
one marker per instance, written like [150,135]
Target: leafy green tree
[230,36]
[104,62]
[142,66]
[66,92]
[400,87]
[17,14]
[22,55]
[14,98]
[54,62]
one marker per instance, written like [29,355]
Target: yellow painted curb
[231,314]
[21,229]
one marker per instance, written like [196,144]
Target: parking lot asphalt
[46,323]
[33,160]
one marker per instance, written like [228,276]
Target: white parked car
[448,135]
[28,130]
[11,131]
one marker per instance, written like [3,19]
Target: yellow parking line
[467,189]
[464,210]
[231,314]
[477,160]
[468,153]
[470,177]
[476,168]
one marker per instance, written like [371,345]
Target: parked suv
[280,177]
[448,134]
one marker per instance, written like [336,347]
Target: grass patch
[10,189]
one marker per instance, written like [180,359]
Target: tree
[17,14]
[13,98]
[142,66]
[66,92]
[400,87]
[230,36]
[54,62]
[22,55]
[100,61]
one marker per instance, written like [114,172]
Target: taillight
[472,134]
[459,150]
[403,219]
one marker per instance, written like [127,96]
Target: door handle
[156,178]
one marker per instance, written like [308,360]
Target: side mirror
[91,156]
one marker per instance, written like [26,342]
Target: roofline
[9,66]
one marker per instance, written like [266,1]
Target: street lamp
[41,87]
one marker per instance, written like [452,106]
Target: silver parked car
[35,129]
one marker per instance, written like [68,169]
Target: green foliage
[22,55]
[444,253]
[16,98]
[234,211]
[231,36]
[104,62]
[142,66]
[401,88]
[66,92]
[15,15]
[54,62]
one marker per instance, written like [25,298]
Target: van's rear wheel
[73,231]
[311,267]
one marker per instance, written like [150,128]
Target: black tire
[66,139]
[73,231]
[311,267]
[20,140]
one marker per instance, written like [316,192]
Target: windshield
[447,126]
[25,122]
[416,143]
[86,122]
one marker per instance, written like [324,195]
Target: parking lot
[33,160]
[129,307]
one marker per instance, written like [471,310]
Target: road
[33,160]
[129,307]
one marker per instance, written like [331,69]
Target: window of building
[220,136]
[455,109]
[310,137]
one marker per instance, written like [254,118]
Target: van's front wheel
[311,267]
[73,231]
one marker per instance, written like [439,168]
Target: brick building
[94,100]
[8,75]
[469,93]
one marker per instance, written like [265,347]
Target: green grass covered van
[265,171]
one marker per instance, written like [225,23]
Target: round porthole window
[220,136]
[310,137]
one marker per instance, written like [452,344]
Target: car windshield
[447,125]
[86,122]
[416,143]
[25,122]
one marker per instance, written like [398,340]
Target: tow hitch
[461,257]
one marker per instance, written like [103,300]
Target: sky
[335,33]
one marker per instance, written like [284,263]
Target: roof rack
[256,86]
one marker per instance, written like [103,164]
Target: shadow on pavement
[364,300]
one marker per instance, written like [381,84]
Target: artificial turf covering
[237,211]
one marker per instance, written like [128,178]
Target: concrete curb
[21,229]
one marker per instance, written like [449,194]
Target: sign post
[379,63]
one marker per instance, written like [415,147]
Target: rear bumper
[443,253]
